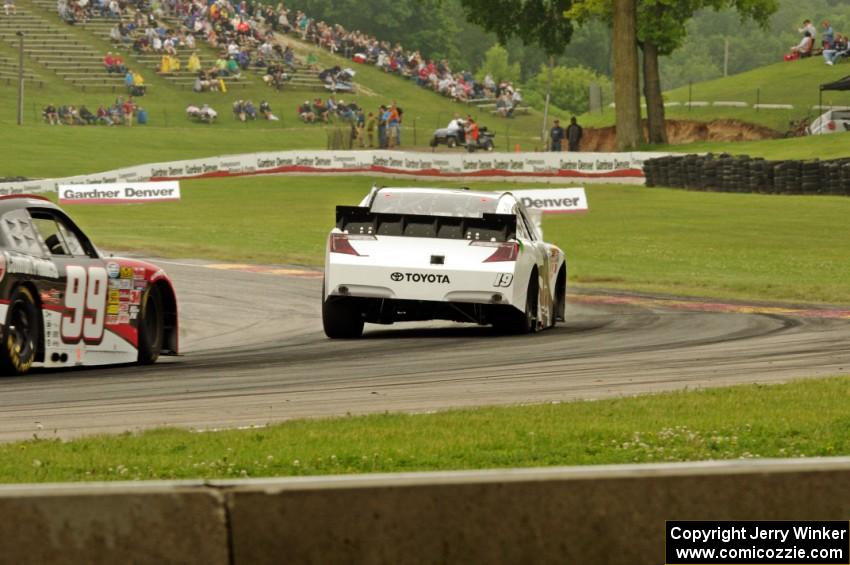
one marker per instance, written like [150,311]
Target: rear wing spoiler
[360,220]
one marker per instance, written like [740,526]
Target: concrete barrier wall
[606,515]
[112,523]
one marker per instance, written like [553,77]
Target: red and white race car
[64,304]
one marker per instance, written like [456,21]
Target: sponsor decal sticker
[126,272]
[428,278]
[52,296]
[113,270]
[503,280]
[26,265]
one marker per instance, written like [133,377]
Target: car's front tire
[451,142]
[341,319]
[20,334]
[151,326]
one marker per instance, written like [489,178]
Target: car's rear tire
[341,319]
[518,322]
[151,326]
[434,142]
[20,334]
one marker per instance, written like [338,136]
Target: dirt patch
[684,131]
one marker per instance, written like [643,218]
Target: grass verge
[701,244]
[804,418]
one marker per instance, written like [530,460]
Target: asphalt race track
[254,353]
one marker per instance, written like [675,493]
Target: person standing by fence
[556,136]
[574,135]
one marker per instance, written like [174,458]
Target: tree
[424,25]
[626,75]
[570,87]
[496,65]
[535,22]
[661,30]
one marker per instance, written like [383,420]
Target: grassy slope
[39,150]
[831,146]
[783,248]
[806,418]
[782,83]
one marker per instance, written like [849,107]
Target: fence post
[690,94]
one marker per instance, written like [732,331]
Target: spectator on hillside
[471,131]
[128,108]
[50,115]
[574,135]
[809,27]
[383,116]
[360,126]
[556,136]
[371,125]
[239,110]
[305,112]
[803,49]
[141,116]
[504,107]
[266,111]
[138,88]
[250,110]
[828,41]
[194,63]
[9,7]
[110,66]
[103,116]
[87,116]
[320,110]
[841,48]
[393,127]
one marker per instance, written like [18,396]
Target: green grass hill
[63,66]
[795,83]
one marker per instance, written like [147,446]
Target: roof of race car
[18,201]
[438,201]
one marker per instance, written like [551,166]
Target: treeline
[439,29]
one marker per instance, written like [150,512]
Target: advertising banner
[119,193]
[554,200]
[519,167]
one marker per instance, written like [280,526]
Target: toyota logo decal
[396,276]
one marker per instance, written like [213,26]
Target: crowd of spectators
[244,110]
[121,112]
[243,31]
[437,76]
[833,46]
[380,129]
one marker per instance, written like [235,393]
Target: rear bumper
[489,284]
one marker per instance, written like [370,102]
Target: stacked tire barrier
[741,173]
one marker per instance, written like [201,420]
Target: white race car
[413,254]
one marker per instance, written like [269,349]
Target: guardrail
[544,167]
[610,514]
